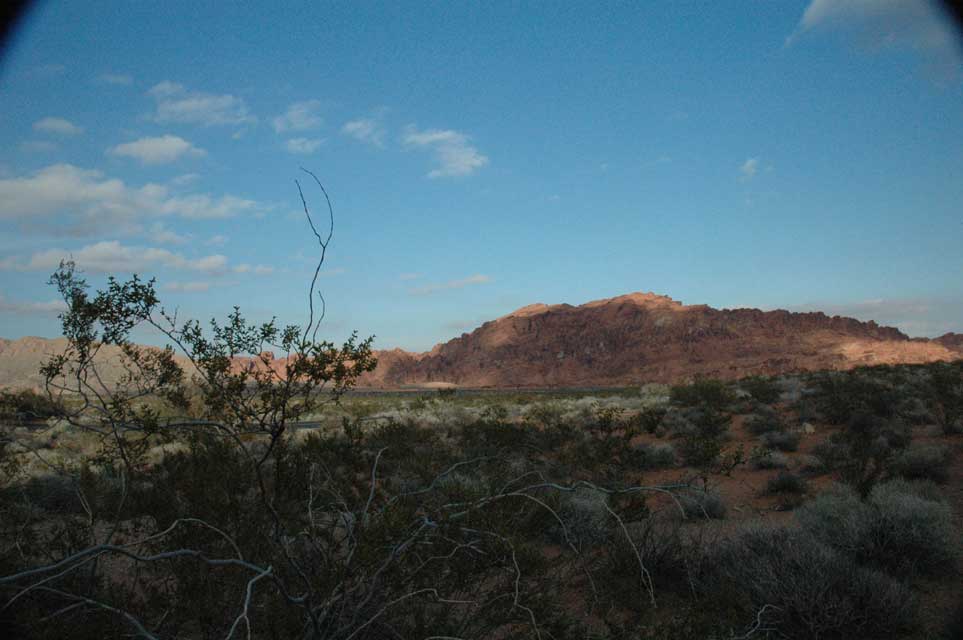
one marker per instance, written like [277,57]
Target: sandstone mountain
[643,337]
[627,340]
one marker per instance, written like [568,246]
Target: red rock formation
[643,337]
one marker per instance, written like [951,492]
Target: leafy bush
[781,440]
[786,482]
[802,588]
[897,529]
[863,450]
[841,395]
[923,462]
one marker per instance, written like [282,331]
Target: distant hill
[627,340]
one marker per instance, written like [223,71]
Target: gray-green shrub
[814,590]
[923,461]
[896,529]
[781,440]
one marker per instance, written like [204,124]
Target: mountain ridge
[628,339]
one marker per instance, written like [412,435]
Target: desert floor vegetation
[244,502]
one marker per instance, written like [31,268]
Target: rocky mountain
[643,337]
[627,340]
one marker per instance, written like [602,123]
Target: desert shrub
[587,521]
[842,395]
[706,392]
[678,422]
[650,418]
[703,505]
[763,458]
[781,440]
[544,415]
[922,461]
[763,420]
[811,464]
[762,389]
[658,455]
[28,405]
[786,482]
[56,494]
[915,411]
[813,590]
[897,529]
[946,395]
[863,450]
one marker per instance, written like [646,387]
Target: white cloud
[300,116]
[157,150]
[217,241]
[259,270]
[409,276]
[162,235]
[453,152]
[451,284]
[175,103]
[38,146]
[121,79]
[63,198]
[303,145]
[20,307]
[749,168]
[197,286]
[59,126]
[367,130]
[882,24]
[185,179]
[110,256]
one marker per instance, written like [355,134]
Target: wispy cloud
[160,234]
[303,145]
[158,150]
[21,307]
[300,116]
[259,270]
[119,79]
[65,199]
[216,241]
[368,130]
[195,286]
[58,126]
[176,104]
[749,168]
[110,256]
[185,179]
[409,276]
[451,284]
[453,151]
[38,146]
[924,316]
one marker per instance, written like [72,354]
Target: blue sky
[801,155]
